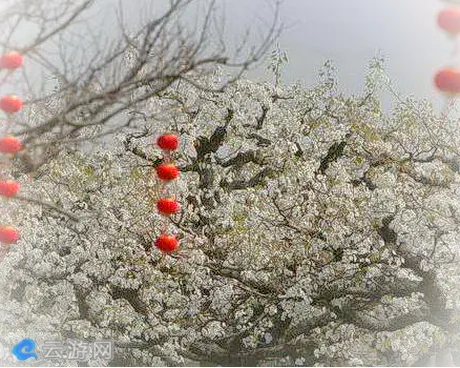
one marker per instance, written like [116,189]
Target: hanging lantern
[167,172]
[8,235]
[168,142]
[449,20]
[8,188]
[11,60]
[10,104]
[167,206]
[448,80]
[166,243]
[10,145]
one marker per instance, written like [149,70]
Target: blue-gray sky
[350,33]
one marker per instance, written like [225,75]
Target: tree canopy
[316,228]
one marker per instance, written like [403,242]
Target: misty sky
[350,32]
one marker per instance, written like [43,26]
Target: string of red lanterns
[166,172]
[447,80]
[10,145]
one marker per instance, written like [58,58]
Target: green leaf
[88,170]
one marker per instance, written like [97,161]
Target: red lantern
[166,243]
[167,206]
[8,235]
[168,142]
[167,171]
[10,145]
[11,60]
[449,20]
[9,188]
[10,104]
[448,80]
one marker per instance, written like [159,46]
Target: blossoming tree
[314,227]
